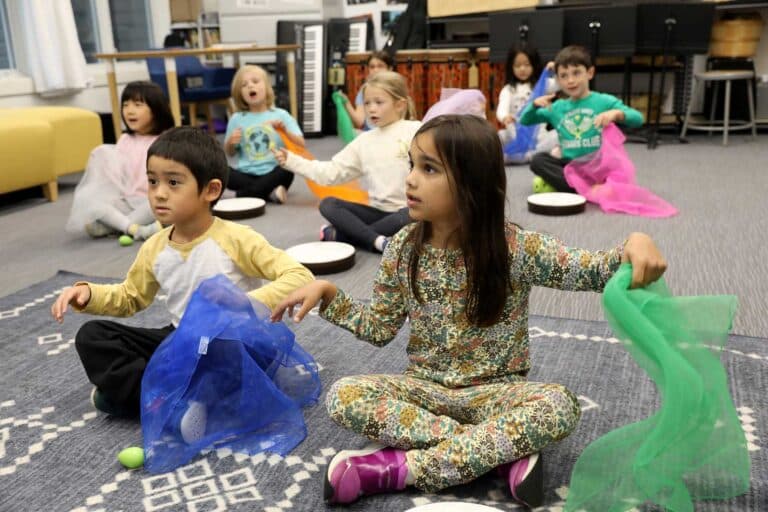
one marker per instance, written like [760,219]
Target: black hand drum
[556,203]
[237,208]
[324,257]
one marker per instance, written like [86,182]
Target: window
[127,22]
[6,49]
[87,27]
[130,25]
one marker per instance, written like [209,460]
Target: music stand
[542,30]
[670,29]
[608,31]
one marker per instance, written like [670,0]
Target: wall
[17,89]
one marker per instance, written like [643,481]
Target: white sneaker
[279,195]
[192,424]
[98,229]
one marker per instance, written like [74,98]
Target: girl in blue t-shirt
[252,134]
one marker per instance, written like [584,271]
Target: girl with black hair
[111,197]
[522,71]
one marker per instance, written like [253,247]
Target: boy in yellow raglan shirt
[187,172]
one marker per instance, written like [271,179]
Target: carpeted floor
[57,453]
[716,245]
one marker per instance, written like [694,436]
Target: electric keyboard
[310,71]
[358,36]
[312,79]
[318,40]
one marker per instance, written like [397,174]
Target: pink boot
[372,470]
[526,479]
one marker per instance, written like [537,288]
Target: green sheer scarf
[344,125]
[694,447]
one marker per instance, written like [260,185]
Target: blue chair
[199,85]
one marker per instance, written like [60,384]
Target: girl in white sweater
[522,71]
[379,157]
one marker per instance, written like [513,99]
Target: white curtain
[52,53]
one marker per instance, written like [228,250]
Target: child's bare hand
[544,101]
[609,116]
[647,262]
[307,297]
[277,124]
[508,120]
[236,137]
[77,295]
[281,155]
[550,66]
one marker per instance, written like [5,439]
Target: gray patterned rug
[57,453]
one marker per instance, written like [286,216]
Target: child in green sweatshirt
[578,119]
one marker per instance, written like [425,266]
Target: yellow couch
[71,136]
[76,132]
[25,161]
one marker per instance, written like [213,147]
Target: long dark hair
[384,57]
[151,94]
[533,58]
[470,151]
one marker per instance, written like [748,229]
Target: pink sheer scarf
[607,178]
[457,101]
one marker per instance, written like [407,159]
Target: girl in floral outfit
[462,275]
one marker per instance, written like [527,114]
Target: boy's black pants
[252,185]
[114,357]
[551,169]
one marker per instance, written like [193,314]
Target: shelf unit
[203,33]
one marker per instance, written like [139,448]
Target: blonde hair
[394,84]
[237,85]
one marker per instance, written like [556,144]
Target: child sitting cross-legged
[187,171]
[523,70]
[252,132]
[111,197]
[462,275]
[379,156]
[578,119]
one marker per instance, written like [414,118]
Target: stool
[717,77]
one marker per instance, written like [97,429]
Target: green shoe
[102,403]
[541,186]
